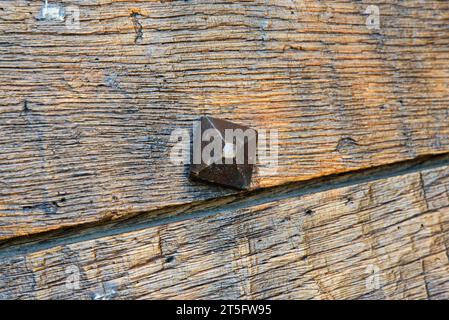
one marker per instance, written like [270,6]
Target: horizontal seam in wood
[194,210]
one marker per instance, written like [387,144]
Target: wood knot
[346,144]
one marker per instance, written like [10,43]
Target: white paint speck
[52,12]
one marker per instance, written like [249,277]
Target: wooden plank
[386,239]
[86,113]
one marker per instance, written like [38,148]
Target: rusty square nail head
[237,174]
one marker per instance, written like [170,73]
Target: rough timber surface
[386,239]
[86,114]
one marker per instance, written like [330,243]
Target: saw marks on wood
[386,239]
[86,114]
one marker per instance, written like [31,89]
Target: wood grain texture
[86,114]
[327,245]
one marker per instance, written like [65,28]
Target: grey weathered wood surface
[327,245]
[85,115]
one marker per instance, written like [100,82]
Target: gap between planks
[143,220]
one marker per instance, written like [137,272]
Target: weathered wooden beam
[86,113]
[384,239]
